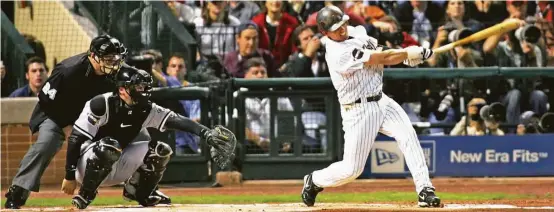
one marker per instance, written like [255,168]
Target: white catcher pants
[130,160]
[361,123]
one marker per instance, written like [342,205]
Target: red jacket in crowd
[282,46]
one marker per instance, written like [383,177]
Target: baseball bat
[499,28]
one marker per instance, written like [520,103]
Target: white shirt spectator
[217,38]
[258,114]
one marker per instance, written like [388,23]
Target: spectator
[369,13]
[183,12]
[437,107]
[247,41]
[275,30]
[355,20]
[36,74]
[36,45]
[2,70]
[516,10]
[475,125]
[302,9]
[309,60]
[5,90]
[258,109]
[420,19]
[391,32]
[454,23]
[176,72]
[528,124]
[157,66]
[487,12]
[258,116]
[216,29]
[515,51]
[544,16]
[243,10]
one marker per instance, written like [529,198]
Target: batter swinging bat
[503,27]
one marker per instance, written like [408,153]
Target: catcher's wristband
[70,174]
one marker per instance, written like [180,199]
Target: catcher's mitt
[223,143]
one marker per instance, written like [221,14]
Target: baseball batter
[356,66]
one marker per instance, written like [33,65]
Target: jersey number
[51,93]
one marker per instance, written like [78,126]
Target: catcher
[101,151]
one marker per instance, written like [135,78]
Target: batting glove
[412,62]
[417,52]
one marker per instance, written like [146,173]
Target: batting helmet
[330,18]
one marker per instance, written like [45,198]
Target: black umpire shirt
[63,96]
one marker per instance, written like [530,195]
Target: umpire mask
[108,52]
[109,64]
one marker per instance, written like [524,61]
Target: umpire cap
[330,18]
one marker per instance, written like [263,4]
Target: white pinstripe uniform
[361,122]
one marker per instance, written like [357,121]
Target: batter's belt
[367,99]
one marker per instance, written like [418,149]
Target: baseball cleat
[16,197]
[80,202]
[164,199]
[310,191]
[156,198]
[427,198]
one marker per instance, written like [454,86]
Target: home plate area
[300,207]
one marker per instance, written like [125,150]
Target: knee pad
[157,157]
[144,181]
[106,153]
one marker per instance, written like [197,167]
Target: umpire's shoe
[427,198]
[310,191]
[16,197]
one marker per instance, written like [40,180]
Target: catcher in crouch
[101,151]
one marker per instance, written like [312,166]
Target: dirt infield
[543,188]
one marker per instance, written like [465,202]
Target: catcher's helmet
[330,18]
[108,52]
[137,82]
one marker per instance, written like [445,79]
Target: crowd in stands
[267,39]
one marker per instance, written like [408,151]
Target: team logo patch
[357,54]
[92,119]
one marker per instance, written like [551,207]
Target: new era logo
[384,156]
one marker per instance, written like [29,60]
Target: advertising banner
[512,155]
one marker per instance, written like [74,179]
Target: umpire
[72,83]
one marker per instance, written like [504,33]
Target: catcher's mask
[108,52]
[137,83]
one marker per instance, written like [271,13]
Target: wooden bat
[503,27]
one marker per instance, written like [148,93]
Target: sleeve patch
[92,119]
[357,54]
